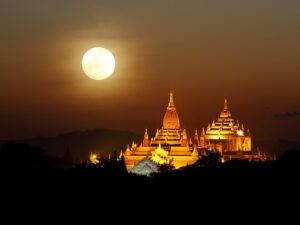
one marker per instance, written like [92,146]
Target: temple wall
[233,143]
[181,161]
[178,161]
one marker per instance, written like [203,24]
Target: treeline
[21,160]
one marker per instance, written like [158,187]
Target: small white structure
[145,167]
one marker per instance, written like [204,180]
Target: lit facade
[169,145]
[226,134]
[228,137]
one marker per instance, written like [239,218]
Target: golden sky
[248,51]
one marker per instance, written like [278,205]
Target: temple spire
[146,138]
[171,104]
[225,104]
[195,151]
[225,111]
[196,138]
[171,119]
[203,132]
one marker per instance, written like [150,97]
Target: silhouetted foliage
[292,156]
[167,167]
[22,157]
[211,160]
[24,160]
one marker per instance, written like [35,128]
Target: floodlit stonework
[226,134]
[169,145]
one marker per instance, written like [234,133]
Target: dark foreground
[25,168]
[35,186]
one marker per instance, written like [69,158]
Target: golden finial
[203,132]
[171,104]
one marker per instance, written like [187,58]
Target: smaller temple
[226,134]
[228,137]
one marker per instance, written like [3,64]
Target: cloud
[286,115]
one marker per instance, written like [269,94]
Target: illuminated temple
[228,137]
[170,144]
[226,134]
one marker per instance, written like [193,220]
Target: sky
[248,51]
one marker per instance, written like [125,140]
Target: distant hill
[81,143]
[105,141]
[276,146]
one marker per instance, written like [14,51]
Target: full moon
[98,63]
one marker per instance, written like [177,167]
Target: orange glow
[240,133]
[160,155]
[94,158]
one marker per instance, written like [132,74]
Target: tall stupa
[169,145]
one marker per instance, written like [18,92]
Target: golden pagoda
[170,144]
[226,134]
[229,137]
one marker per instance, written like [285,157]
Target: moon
[98,63]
